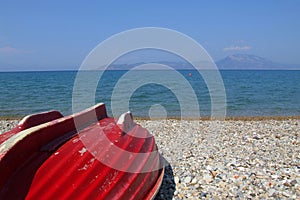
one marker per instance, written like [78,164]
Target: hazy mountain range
[251,62]
[232,62]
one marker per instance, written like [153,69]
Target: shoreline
[227,118]
[205,118]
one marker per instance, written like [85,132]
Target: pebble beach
[232,159]
[244,159]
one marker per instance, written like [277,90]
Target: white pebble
[176,179]
[187,179]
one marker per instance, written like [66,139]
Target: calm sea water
[248,93]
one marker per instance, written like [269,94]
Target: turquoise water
[248,93]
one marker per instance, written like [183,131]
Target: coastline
[205,118]
[227,118]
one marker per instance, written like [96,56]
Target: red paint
[31,121]
[53,162]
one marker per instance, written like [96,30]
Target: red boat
[82,156]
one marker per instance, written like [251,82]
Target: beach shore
[241,158]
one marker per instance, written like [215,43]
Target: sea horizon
[249,93]
[76,70]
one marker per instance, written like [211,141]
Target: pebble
[207,178]
[7,125]
[194,181]
[271,192]
[187,179]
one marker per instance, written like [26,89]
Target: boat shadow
[167,188]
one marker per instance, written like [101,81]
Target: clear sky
[35,35]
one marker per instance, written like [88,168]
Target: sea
[146,92]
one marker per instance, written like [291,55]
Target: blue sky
[59,34]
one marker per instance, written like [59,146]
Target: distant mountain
[172,64]
[232,62]
[245,61]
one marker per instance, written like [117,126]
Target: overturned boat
[87,155]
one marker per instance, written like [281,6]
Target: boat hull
[83,156]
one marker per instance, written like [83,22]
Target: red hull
[55,161]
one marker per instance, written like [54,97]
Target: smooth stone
[271,192]
[187,179]
[194,181]
[176,179]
